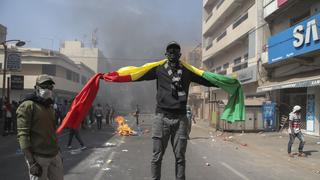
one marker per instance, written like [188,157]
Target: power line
[118,58]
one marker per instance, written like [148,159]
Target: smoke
[132,32]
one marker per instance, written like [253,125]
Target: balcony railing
[221,10]
[240,66]
[221,36]
[219,4]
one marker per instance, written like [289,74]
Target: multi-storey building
[91,57]
[68,75]
[292,61]
[233,41]
[3,33]
[196,100]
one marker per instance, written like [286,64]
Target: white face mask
[45,93]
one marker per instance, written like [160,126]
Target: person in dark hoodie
[36,132]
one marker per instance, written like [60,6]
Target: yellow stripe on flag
[138,72]
[193,69]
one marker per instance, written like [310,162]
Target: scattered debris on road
[244,144]
[109,161]
[105,169]
[124,150]
[75,151]
[109,144]
[208,164]
[97,164]
[146,131]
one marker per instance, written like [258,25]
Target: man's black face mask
[173,55]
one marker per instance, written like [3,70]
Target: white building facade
[68,75]
[233,41]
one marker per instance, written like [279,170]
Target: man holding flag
[170,123]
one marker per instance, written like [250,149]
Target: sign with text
[269,115]
[310,115]
[17,82]
[281,2]
[14,61]
[297,40]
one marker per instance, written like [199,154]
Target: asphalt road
[208,158]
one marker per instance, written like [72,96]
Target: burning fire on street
[123,128]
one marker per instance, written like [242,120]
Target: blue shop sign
[297,40]
[269,115]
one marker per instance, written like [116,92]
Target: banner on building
[281,2]
[310,115]
[17,82]
[295,41]
[14,61]
[269,115]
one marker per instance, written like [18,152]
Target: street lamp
[4,44]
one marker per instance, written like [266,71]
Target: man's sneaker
[83,147]
[69,147]
[291,155]
[302,154]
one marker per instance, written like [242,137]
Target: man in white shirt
[295,130]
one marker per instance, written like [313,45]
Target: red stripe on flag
[81,104]
[115,77]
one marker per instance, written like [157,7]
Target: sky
[126,28]
[130,32]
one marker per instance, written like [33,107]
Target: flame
[123,128]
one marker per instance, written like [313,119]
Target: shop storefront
[294,72]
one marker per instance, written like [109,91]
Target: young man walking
[295,131]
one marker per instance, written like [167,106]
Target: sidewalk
[271,145]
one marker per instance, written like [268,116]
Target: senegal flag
[234,110]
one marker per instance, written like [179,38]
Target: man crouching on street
[36,132]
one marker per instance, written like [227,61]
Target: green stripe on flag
[235,109]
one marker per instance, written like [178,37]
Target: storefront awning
[292,83]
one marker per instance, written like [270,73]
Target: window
[83,80]
[245,57]
[240,20]
[239,67]
[224,72]
[219,3]
[209,42]
[69,74]
[237,60]
[222,35]
[226,66]
[236,68]
[75,77]
[49,69]
[209,16]
[218,68]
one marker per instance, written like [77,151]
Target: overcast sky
[130,32]
[126,28]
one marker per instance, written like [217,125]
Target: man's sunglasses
[173,51]
[46,86]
